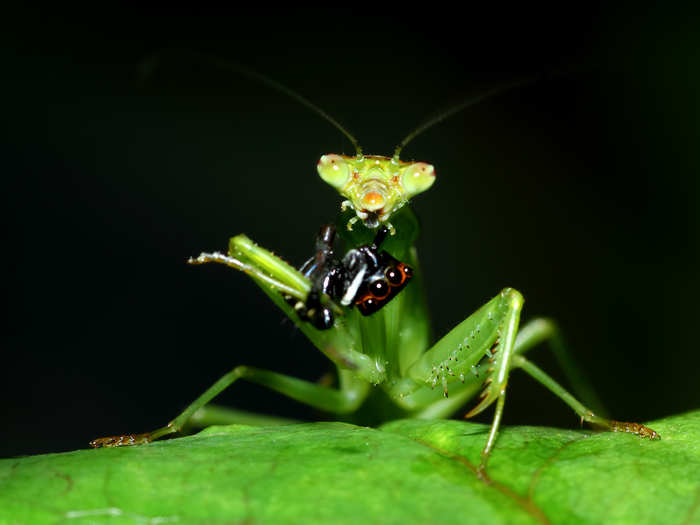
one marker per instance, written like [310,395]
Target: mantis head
[375,187]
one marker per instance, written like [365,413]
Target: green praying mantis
[367,313]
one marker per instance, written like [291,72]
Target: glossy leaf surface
[408,471]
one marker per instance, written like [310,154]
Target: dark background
[580,190]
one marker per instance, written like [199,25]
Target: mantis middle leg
[346,399]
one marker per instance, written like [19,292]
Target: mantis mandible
[386,346]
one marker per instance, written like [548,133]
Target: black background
[580,190]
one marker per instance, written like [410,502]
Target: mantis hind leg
[344,400]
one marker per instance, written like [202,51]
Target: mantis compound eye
[417,178]
[334,170]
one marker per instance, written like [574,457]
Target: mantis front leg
[355,369]
[480,352]
[477,352]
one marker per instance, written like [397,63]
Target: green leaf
[408,471]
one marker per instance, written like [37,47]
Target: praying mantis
[385,347]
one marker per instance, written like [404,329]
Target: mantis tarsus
[389,349]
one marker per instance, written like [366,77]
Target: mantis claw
[121,441]
[634,428]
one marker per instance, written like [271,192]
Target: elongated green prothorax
[375,187]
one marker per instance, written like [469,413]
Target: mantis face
[374,186]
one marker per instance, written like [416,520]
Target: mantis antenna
[150,63]
[472,101]
[374,186]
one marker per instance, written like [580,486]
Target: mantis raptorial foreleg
[477,352]
[480,352]
[276,277]
[260,264]
[347,399]
[356,370]
[255,273]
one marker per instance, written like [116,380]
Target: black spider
[365,277]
